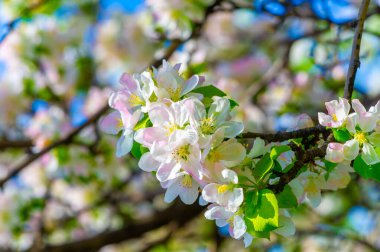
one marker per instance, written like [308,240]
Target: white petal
[230,176]
[148,163]
[351,149]
[124,144]
[369,154]
[232,129]
[239,227]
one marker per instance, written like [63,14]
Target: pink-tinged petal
[369,154]
[190,84]
[190,195]
[367,121]
[160,116]
[358,107]
[128,82]
[351,123]
[202,79]
[345,104]
[148,163]
[150,135]
[172,192]
[111,123]
[332,107]
[130,119]
[119,100]
[334,153]
[324,120]
[217,212]
[351,149]
[210,192]
[167,171]
[239,227]
[124,144]
[230,176]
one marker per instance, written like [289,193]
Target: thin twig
[355,53]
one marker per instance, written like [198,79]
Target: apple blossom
[225,193]
[337,113]
[183,186]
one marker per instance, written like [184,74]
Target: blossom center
[335,118]
[175,94]
[187,181]
[182,153]
[207,126]
[223,188]
[135,100]
[171,128]
[360,137]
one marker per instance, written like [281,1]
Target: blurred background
[63,189]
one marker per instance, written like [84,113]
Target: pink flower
[337,113]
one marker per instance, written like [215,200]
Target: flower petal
[148,163]
[351,149]
[124,144]
[111,123]
[369,154]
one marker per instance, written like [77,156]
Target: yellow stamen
[187,181]
[175,94]
[214,156]
[135,100]
[223,189]
[181,153]
[120,123]
[360,137]
[207,126]
[171,128]
[335,118]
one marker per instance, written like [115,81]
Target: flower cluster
[357,133]
[184,134]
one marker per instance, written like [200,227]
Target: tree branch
[287,135]
[355,53]
[178,212]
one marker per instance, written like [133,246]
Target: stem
[355,53]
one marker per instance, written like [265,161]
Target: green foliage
[261,213]
[276,151]
[138,150]
[341,135]
[287,199]
[263,167]
[367,171]
[209,91]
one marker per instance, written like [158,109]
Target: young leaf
[287,199]
[136,150]
[341,135]
[276,151]
[367,171]
[262,217]
[262,167]
[209,91]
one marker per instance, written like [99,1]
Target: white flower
[216,119]
[223,217]
[170,85]
[180,152]
[183,186]
[337,113]
[225,194]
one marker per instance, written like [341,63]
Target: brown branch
[303,158]
[8,144]
[178,213]
[287,135]
[355,53]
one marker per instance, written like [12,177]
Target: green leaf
[367,171]
[143,123]
[209,91]
[261,217]
[341,135]
[138,150]
[278,150]
[287,199]
[233,103]
[262,167]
